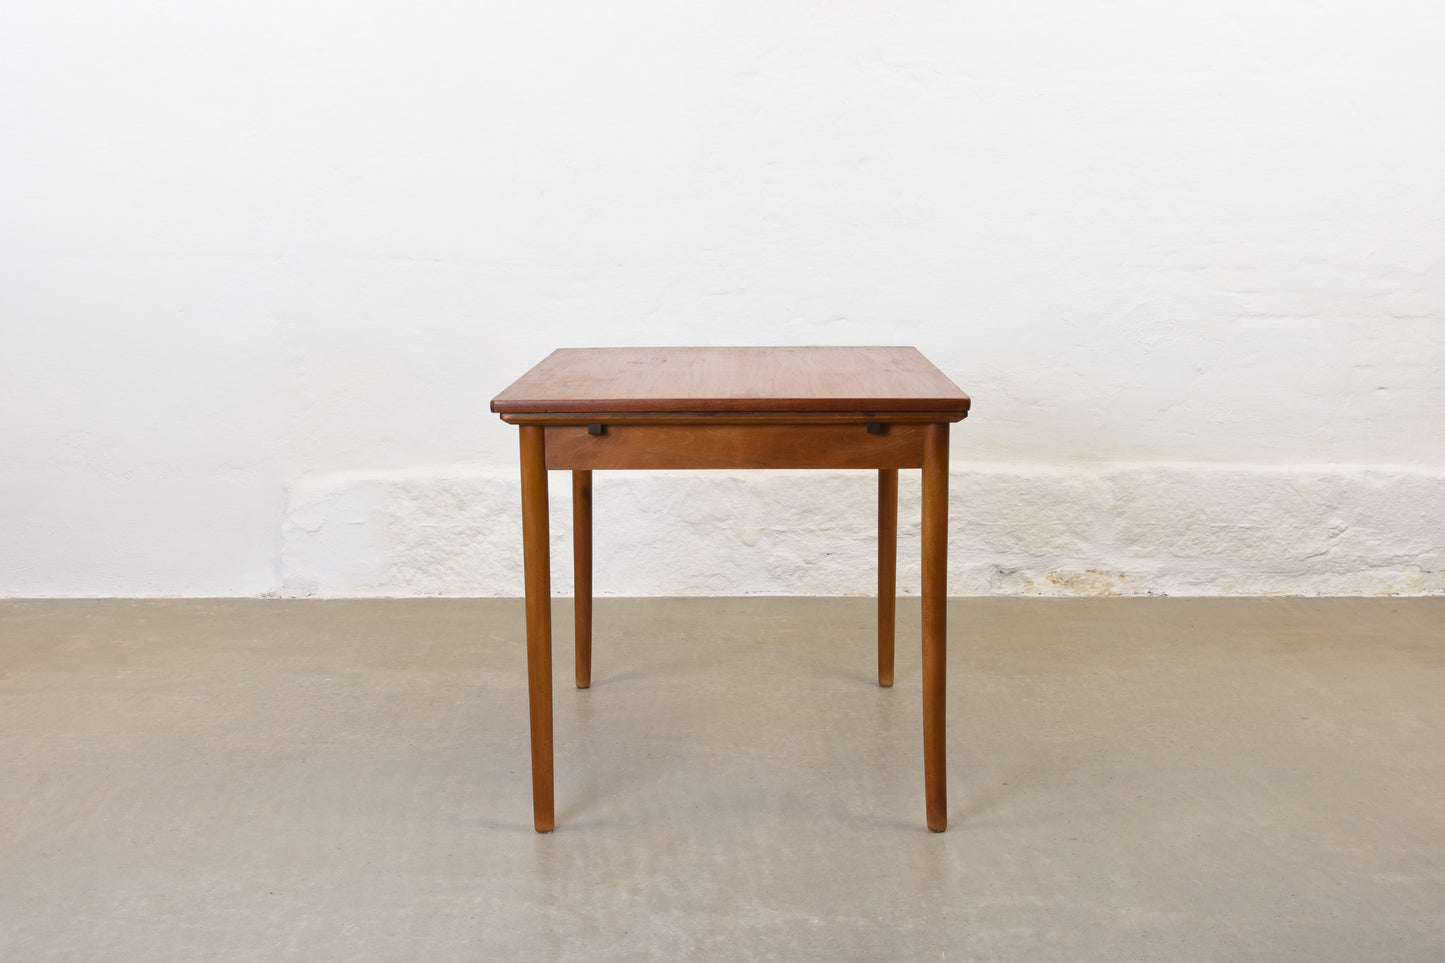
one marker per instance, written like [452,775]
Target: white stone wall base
[1131,529]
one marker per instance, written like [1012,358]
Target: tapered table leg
[887,570]
[537,562]
[582,572]
[935,599]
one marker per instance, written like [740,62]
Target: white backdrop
[264,266]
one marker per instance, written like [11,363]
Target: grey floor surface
[1130,779]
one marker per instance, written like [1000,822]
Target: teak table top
[733,380]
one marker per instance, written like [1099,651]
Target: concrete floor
[1131,779]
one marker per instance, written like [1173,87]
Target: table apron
[669,446]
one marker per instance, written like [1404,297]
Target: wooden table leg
[887,570]
[537,562]
[935,600]
[582,572]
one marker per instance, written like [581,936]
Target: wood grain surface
[762,379]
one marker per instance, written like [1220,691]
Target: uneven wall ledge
[1131,529]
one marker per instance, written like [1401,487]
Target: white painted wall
[263,265]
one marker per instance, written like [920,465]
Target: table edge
[853,416]
[956,404]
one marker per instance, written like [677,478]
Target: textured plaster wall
[262,267]
[1184,529]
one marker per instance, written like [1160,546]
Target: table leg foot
[537,562]
[582,572]
[935,637]
[887,570]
